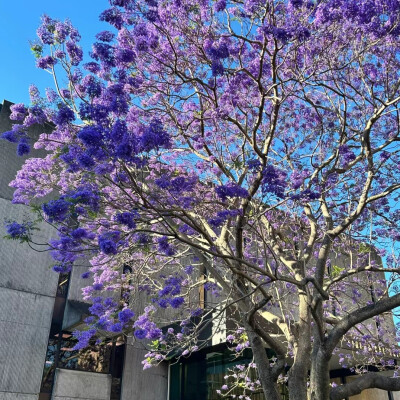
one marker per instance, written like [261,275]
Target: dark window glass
[49,366]
[62,287]
[94,358]
[116,369]
[200,376]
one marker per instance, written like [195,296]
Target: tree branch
[358,316]
[368,381]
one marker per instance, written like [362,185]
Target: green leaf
[336,271]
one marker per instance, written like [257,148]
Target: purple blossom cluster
[230,190]
[18,231]
[108,242]
[274,181]
[169,294]
[165,247]
[223,216]
[127,218]
[144,327]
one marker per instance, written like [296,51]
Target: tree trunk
[297,386]
[269,385]
[298,373]
[319,376]
[297,381]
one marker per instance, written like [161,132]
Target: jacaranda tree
[247,147]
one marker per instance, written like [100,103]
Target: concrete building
[39,309]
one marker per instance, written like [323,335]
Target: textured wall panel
[152,384]
[22,268]
[79,385]
[17,396]
[24,328]
[27,286]
[77,283]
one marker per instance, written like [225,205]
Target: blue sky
[19,20]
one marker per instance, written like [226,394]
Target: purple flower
[176,302]
[220,5]
[197,312]
[163,303]
[105,36]
[230,338]
[64,116]
[16,230]
[120,3]
[297,178]
[222,216]
[44,31]
[85,195]
[113,16]
[117,327]
[140,333]
[10,136]
[62,268]
[218,52]
[59,54]
[85,161]
[98,286]
[91,86]
[384,155]
[103,52]
[107,243]
[46,62]
[164,246]
[217,68]
[154,137]
[36,116]
[18,112]
[92,67]
[142,238]
[74,51]
[274,181]
[91,136]
[56,210]
[154,333]
[124,55]
[189,269]
[83,338]
[347,156]
[61,31]
[296,3]
[126,218]
[231,190]
[125,315]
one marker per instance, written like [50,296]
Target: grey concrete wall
[150,384]
[76,308]
[79,385]
[76,283]
[24,328]
[27,288]
[22,268]
[17,396]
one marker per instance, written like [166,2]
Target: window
[201,375]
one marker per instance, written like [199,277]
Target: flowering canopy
[247,147]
